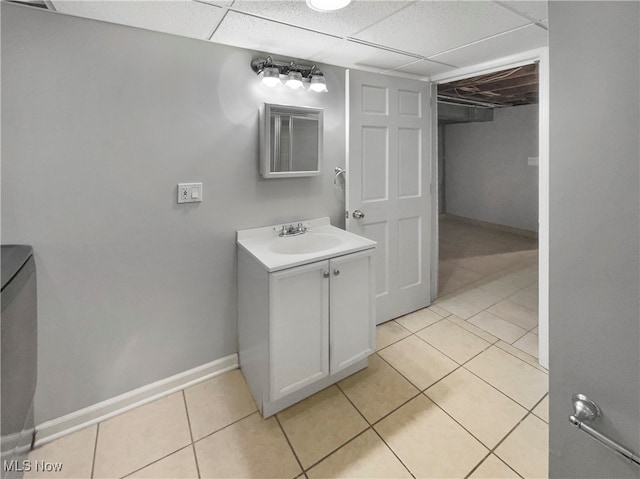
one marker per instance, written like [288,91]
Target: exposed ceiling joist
[516,86]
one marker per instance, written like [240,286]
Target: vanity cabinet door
[299,328]
[352,310]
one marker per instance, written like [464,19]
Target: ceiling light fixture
[327,5]
[273,73]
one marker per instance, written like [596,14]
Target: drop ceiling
[415,39]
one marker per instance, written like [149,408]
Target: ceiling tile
[255,33]
[516,41]
[356,16]
[218,3]
[363,57]
[535,10]
[395,73]
[427,28]
[189,19]
[423,68]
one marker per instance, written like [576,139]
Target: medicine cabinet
[291,141]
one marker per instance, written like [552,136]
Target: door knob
[357,214]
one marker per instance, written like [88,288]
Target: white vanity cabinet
[303,328]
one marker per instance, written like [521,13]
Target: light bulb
[294,80]
[318,84]
[271,77]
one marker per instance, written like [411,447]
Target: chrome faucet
[292,230]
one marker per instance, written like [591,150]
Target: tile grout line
[95,451]
[499,459]
[193,445]
[476,285]
[354,406]
[506,437]
[458,423]
[333,451]
[477,465]
[459,365]
[444,353]
[392,451]
[284,433]
[501,392]
[226,426]
[498,339]
[510,353]
[397,341]
[423,392]
[154,462]
[400,373]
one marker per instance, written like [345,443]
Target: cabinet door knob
[325,274]
[336,272]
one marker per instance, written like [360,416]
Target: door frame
[540,55]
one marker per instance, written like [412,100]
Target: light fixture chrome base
[309,74]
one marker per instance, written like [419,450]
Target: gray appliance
[18,356]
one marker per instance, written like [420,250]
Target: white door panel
[352,334]
[389,173]
[299,338]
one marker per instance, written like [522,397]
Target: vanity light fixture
[294,78]
[327,5]
[274,74]
[318,83]
[271,77]
[270,74]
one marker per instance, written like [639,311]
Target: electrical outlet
[189,192]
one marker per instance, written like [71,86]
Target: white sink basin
[321,241]
[308,242]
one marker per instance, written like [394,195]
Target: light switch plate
[189,192]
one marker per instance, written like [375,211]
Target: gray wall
[486,173]
[100,122]
[594,311]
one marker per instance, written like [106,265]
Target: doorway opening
[488,144]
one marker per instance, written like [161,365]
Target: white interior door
[388,182]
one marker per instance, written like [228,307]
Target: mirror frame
[265,139]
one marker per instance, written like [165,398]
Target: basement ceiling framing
[512,87]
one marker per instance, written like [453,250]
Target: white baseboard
[50,430]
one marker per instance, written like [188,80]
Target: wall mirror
[291,140]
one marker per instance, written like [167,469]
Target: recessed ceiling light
[327,5]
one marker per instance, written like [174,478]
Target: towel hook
[339,172]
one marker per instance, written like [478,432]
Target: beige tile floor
[443,397]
